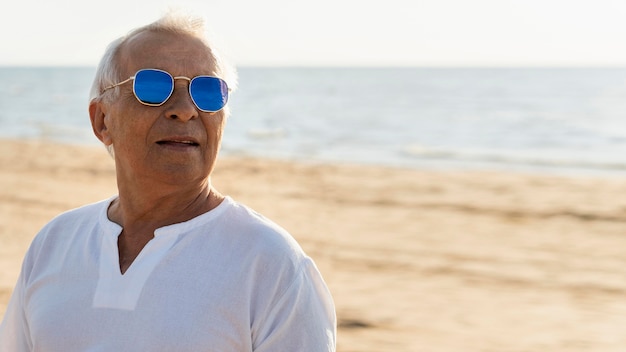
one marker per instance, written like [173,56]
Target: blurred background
[455,168]
[516,85]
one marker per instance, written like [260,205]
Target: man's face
[175,142]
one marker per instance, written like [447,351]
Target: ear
[97,114]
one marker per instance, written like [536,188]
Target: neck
[142,206]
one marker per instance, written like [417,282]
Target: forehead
[179,54]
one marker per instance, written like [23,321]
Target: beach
[416,260]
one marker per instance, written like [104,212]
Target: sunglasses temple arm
[119,84]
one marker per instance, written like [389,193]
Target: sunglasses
[153,87]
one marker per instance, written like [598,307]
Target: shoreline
[570,169]
[415,259]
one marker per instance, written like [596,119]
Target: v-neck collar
[121,291]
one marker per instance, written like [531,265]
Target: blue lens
[153,87]
[209,93]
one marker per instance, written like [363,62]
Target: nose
[179,105]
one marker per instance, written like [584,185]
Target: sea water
[570,120]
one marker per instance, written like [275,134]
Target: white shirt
[227,280]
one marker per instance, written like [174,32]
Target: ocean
[547,120]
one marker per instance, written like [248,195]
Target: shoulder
[68,224]
[53,241]
[245,224]
[68,220]
[293,307]
[261,244]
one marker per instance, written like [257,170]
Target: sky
[549,33]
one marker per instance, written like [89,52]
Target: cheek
[128,127]
[215,128]
[115,131]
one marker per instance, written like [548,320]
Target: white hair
[108,72]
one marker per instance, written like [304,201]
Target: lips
[179,141]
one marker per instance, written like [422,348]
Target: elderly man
[169,264]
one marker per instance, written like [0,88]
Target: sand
[416,260]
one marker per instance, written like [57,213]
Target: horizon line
[362,66]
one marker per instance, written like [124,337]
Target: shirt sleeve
[303,319]
[14,335]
